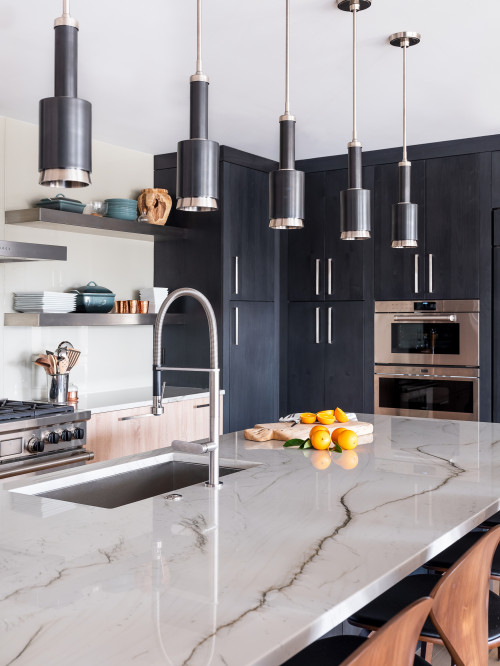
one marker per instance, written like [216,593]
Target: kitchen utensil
[143,307]
[62,366]
[60,202]
[93,298]
[132,307]
[283,431]
[57,388]
[73,356]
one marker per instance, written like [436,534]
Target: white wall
[112,357]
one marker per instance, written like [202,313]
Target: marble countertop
[245,575]
[110,401]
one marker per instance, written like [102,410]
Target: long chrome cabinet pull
[236,275]
[317,326]
[416,273]
[431,275]
[330,326]
[318,262]
[329,277]
[236,326]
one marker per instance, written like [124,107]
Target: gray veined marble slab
[246,575]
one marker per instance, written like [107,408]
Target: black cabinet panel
[396,275]
[306,357]
[344,365]
[253,365]
[251,241]
[343,260]
[306,247]
[496,335]
[453,209]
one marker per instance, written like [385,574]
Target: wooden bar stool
[393,645]
[448,557]
[465,615]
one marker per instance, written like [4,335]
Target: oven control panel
[43,440]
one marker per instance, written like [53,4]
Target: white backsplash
[112,357]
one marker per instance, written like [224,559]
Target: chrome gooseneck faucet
[212,446]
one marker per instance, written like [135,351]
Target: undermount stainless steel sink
[127,482]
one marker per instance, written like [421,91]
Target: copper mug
[143,307]
[132,307]
[122,307]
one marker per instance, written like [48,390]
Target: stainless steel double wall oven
[427,359]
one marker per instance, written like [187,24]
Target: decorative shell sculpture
[157,204]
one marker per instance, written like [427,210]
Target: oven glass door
[433,397]
[427,340]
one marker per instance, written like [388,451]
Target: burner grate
[16,410]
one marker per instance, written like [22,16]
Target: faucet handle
[192,447]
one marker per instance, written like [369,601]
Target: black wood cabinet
[320,265]
[399,273]
[253,366]
[245,204]
[326,356]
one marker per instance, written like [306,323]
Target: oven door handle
[429,319]
[48,464]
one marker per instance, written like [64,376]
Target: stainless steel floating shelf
[13,252]
[82,319]
[59,220]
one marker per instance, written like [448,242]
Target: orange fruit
[336,433]
[326,418]
[348,460]
[320,460]
[330,412]
[308,417]
[316,428]
[321,439]
[340,415]
[347,440]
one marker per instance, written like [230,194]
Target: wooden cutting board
[263,432]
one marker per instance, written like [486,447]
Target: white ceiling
[136,59]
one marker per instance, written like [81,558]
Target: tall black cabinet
[229,256]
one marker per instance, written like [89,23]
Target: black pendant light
[355,201]
[286,185]
[198,158]
[65,139]
[404,213]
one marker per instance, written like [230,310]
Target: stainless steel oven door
[438,393]
[48,463]
[427,339]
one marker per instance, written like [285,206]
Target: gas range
[39,436]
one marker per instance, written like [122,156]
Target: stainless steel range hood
[11,251]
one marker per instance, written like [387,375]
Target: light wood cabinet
[115,434]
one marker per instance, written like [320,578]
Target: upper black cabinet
[450,192]
[321,266]
[398,272]
[245,215]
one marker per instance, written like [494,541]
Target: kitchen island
[249,574]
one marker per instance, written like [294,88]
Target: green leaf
[335,447]
[307,444]
[295,442]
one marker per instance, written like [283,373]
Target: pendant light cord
[405,158]
[287,60]
[354,77]
[66,11]
[199,68]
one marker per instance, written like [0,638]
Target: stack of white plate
[155,296]
[44,301]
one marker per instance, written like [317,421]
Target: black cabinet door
[453,212]
[399,273]
[306,357]
[496,334]
[253,361]
[246,229]
[344,356]
[306,247]
[344,264]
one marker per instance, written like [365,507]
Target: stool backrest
[460,609]
[395,644]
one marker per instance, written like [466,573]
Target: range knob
[35,445]
[51,438]
[66,435]
[78,433]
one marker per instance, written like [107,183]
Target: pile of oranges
[321,439]
[326,417]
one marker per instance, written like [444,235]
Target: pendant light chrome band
[65,120]
[198,157]
[287,185]
[355,202]
[404,213]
